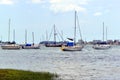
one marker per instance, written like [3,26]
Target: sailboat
[72,46]
[102,45]
[10,45]
[30,46]
[53,43]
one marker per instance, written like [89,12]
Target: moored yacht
[103,44]
[30,46]
[72,46]
[10,45]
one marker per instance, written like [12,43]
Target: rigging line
[56,31]
[51,33]
[79,27]
[46,35]
[59,34]
[58,38]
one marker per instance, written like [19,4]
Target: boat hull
[101,47]
[30,47]
[53,45]
[71,48]
[11,47]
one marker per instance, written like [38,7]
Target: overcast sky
[39,16]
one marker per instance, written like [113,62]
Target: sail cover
[70,39]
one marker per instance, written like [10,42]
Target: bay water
[88,64]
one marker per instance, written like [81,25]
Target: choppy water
[88,64]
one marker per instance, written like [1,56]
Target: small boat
[10,45]
[30,46]
[102,45]
[53,43]
[71,46]
[74,48]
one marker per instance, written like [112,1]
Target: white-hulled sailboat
[102,45]
[10,45]
[30,46]
[72,46]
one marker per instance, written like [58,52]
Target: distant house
[116,42]
[110,41]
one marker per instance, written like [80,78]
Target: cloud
[56,5]
[7,2]
[68,5]
[98,14]
[37,1]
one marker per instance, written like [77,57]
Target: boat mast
[33,36]
[75,29]
[14,35]
[106,33]
[79,27]
[62,36]
[103,31]
[25,36]
[1,38]
[54,34]
[9,31]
